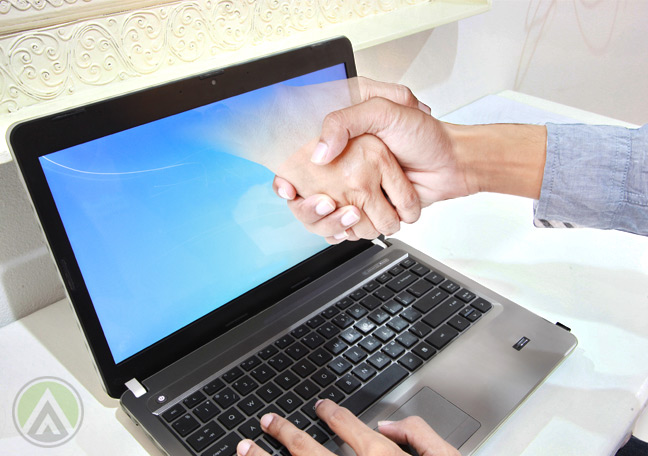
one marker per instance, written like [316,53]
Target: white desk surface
[595,282]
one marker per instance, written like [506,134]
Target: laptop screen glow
[167,226]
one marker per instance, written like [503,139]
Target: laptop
[205,304]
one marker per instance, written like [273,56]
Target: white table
[595,282]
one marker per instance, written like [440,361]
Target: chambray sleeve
[595,176]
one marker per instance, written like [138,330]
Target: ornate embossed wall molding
[86,45]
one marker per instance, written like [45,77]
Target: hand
[411,431]
[318,212]
[366,176]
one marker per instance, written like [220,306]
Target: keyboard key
[269,392]
[364,372]
[321,356]
[357,311]
[376,388]
[313,340]
[173,413]
[323,377]
[348,383]
[297,351]
[392,307]
[309,409]
[442,336]
[268,352]
[272,408]
[315,321]
[470,314]
[244,385]
[358,294]
[384,278]
[407,263]
[350,336]
[370,286]
[404,298]
[339,365]
[435,278]
[370,344]
[250,405]
[263,373]
[410,361]
[355,354]
[383,334]
[393,349]
[465,295]
[307,389]
[420,329]
[185,424]
[407,339]
[401,282]
[482,305]
[411,315]
[286,380]
[206,411]
[335,346]
[365,326]
[443,312]
[430,301]
[379,360]
[330,312]
[299,420]
[303,368]
[449,286]
[280,362]
[284,341]
[333,394]
[424,351]
[396,270]
[371,302]
[379,316]
[397,324]
[225,446]
[300,331]
[232,375]
[251,429]
[205,436]
[231,418]
[459,323]
[343,320]
[250,363]
[212,387]
[420,288]
[420,270]
[289,402]
[226,397]
[344,303]
[328,330]
[264,445]
[383,294]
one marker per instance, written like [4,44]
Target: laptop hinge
[136,387]
[379,243]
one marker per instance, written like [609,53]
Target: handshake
[379,161]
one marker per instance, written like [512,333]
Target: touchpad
[449,421]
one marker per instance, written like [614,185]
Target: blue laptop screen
[167,225]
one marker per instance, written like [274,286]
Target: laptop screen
[167,224]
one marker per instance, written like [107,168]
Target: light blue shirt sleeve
[595,176]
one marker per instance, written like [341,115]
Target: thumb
[414,431]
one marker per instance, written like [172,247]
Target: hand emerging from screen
[366,176]
[411,431]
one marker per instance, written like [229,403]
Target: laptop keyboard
[353,353]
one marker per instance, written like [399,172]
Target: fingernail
[384,423]
[349,218]
[243,447]
[266,420]
[282,193]
[318,403]
[425,108]
[342,235]
[324,207]
[319,153]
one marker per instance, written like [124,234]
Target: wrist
[500,158]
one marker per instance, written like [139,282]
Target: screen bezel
[35,138]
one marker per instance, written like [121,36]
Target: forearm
[500,158]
